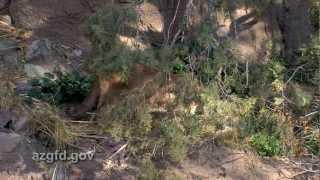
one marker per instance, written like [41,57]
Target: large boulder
[16,158]
[57,27]
[8,142]
[9,58]
[38,49]
[5,118]
[3,4]
[42,58]
[39,59]
[17,122]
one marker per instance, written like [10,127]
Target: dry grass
[58,131]
[9,101]
[45,120]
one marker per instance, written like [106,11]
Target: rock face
[57,27]
[284,23]
[38,49]
[5,118]
[60,21]
[29,14]
[13,121]
[248,32]
[8,142]
[16,158]
[41,58]
[3,4]
[9,64]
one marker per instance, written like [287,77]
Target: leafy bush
[265,145]
[68,87]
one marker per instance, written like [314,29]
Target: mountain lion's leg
[104,86]
[89,102]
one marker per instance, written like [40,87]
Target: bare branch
[172,22]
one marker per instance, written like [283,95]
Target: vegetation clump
[266,145]
[50,128]
[111,55]
[230,97]
[66,88]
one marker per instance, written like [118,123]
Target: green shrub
[68,87]
[192,125]
[178,149]
[148,171]
[176,141]
[107,23]
[268,133]
[171,60]
[220,112]
[265,145]
[129,119]
[110,54]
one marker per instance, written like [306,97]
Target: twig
[80,122]
[287,82]
[299,165]
[294,73]
[118,151]
[247,73]
[173,20]
[293,176]
[90,136]
[154,150]
[310,114]
[175,38]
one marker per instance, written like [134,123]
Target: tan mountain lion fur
[109,89]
